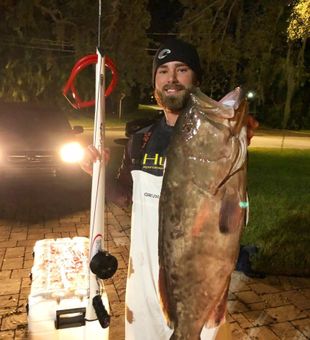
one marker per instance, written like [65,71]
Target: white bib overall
[144,319]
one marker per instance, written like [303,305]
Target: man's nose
[172,76]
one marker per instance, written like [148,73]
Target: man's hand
[252,125]
[91,156]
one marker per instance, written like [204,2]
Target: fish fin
[233,98]
[239,130]
[231,213]
[218,314]
[164,296]
[240,117]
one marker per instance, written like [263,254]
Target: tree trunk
[293,76]
[290,89]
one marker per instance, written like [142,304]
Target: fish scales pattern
[201,213]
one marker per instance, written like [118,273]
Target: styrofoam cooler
[59,292]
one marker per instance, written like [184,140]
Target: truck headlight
[72,152]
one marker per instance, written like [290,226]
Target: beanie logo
[163,54]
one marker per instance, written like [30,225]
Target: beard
[173,102]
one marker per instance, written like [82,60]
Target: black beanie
[177,50]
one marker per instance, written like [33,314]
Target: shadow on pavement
[35,200]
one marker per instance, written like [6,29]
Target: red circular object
[78,67]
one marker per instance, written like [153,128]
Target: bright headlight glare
[72,152]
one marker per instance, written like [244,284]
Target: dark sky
[165,14]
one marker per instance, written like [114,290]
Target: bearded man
[176,70]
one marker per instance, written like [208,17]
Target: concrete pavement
[263,309]
[278,139]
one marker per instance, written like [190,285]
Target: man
[176,70]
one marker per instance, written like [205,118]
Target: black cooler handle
[73,317]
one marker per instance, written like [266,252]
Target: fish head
[213,138]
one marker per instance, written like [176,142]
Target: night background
[261,45]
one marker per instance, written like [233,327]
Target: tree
[41,41]
[124,35]
[39,44]
[298,32]
[299,23]
[245,42]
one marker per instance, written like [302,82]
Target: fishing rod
[102,264]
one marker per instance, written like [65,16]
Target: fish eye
[191,125]
[187,127]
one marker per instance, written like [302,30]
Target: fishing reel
[103,264]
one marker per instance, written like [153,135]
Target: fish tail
[174,336]
[177,335]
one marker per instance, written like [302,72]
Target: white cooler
[59,292]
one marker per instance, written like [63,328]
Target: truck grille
[31,158]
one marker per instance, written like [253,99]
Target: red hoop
[78,67]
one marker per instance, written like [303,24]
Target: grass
[279,189]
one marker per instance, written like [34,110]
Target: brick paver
[262,309]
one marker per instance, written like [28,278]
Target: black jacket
[146,151]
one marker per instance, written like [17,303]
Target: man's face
[173,82]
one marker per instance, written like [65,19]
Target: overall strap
[139,142]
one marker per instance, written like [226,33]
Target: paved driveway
[266,309]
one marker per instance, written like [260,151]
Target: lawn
[279,190]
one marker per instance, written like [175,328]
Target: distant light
[72,152]
[250,94]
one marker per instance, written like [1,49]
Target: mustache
[174,87]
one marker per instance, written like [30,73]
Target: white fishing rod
[102,265]
[96,233]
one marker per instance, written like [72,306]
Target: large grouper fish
[202,212]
